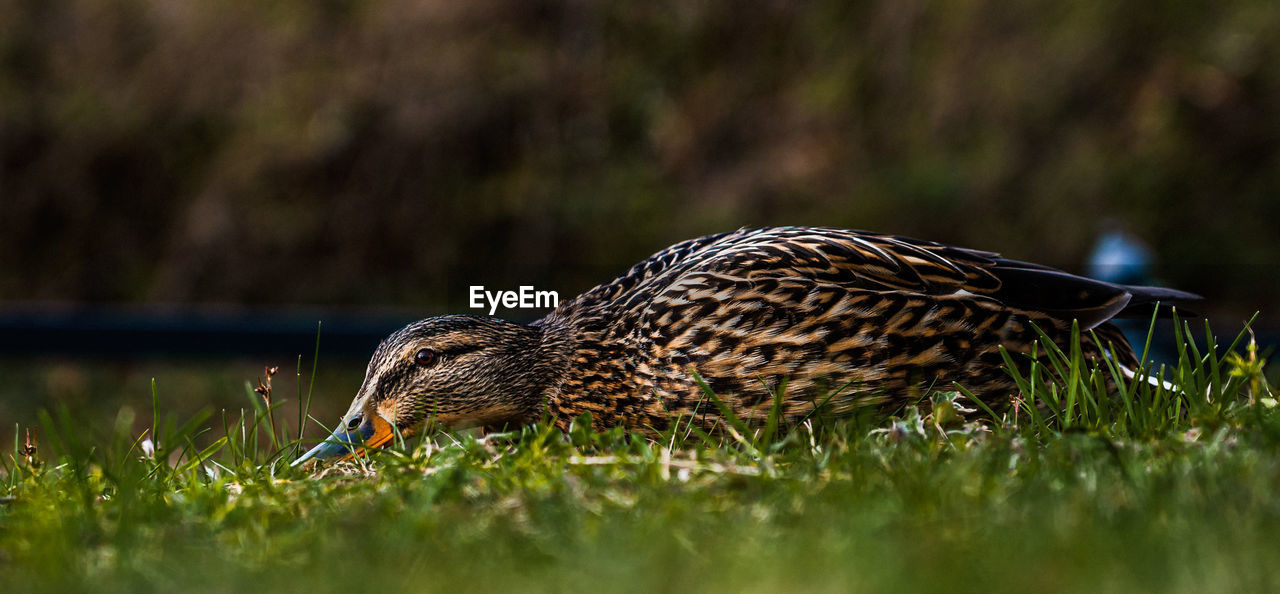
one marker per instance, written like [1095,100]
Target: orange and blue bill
[373,431]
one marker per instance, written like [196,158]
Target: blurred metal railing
[192,331]
[42,330]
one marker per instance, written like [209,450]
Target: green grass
[1144,489]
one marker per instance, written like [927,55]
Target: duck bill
[345,445]
[382,433]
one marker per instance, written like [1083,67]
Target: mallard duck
[845,318]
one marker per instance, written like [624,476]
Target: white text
[525,298]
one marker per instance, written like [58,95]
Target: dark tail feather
[1145,300]
[1090,301]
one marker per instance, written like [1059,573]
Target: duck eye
[354,422]
[425,357]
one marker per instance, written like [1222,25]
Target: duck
[807,319]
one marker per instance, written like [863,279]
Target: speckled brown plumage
[846,318]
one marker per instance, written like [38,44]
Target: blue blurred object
[1120,258]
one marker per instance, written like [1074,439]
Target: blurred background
[187,188]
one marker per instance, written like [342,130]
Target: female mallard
[845,318]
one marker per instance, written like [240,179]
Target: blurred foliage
[392,153]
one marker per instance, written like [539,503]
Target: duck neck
[555,350]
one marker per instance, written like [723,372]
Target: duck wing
[865,261]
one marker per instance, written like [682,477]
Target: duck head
[456,370]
